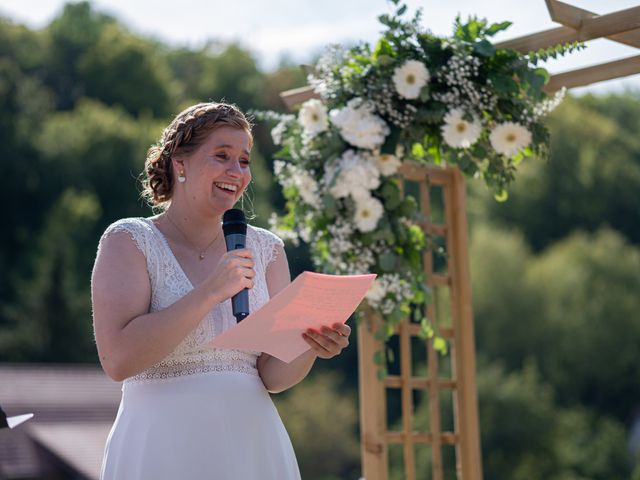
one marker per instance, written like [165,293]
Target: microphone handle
[240,301]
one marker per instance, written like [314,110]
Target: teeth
[227,186]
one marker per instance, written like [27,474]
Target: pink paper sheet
[310,301]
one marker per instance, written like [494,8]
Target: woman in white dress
[161,290]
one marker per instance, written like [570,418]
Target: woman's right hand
[233,273]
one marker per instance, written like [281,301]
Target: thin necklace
[203,253]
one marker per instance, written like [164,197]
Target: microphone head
[234,222]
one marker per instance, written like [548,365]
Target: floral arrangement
[457,100]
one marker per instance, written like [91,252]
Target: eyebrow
[231,146]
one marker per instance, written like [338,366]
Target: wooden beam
[597,73]
[590,28]
[571,16]
[296,96]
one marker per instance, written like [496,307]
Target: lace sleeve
[133,227]
[269,245]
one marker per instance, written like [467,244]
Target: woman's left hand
[328,342]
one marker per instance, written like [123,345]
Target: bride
[161,290]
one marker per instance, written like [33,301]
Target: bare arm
[128,337]
[277,375]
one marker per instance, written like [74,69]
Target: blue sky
[298,29]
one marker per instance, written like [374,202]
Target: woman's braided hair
[184,134]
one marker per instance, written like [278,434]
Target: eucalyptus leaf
[484,48]
[387,261]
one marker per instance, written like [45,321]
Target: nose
[235,169]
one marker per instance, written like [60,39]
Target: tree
[591,180]
[50,320]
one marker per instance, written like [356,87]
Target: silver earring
[181,177]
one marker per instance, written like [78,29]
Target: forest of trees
[555,269]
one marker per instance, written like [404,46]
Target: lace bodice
[169,283]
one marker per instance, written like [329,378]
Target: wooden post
[469,464]
[373,408]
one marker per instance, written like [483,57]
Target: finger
[342,328]
[335,336]
[325,341]
[237,260]
[246,272]
[241,252]
[317,347]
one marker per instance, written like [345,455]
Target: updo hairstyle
[184,135]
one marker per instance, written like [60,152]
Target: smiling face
[217,173]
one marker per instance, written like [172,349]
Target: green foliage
[124,70]
[561,308]
[49,320]
[591,181]
[525,434]
[544,54]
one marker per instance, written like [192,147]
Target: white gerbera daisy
[409,78]
[509,138]
[313,117]
[387,164]
[458,132]
[368,212]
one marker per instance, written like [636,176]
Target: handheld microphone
[234,227]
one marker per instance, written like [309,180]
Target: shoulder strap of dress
[267,243]
[137,228]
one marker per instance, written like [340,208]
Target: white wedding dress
[201,413]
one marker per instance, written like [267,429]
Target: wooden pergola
[441,195]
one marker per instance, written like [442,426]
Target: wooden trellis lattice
[376,440]
[457,330]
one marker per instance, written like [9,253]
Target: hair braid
[182,136]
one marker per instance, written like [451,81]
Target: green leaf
[378,357]
[517,158]
[504,85]
[382,48]
[501,196]
[387,261]
[391,196]
[401,10]
[381,374]
[497,27]
[385,20]
[385,60]
[543,73]
[390,355]
[417,151]
[425,328]
[330,206]
[425,93]
[434,152]
[440,345]
[484,48]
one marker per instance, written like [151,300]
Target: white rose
[358,124]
